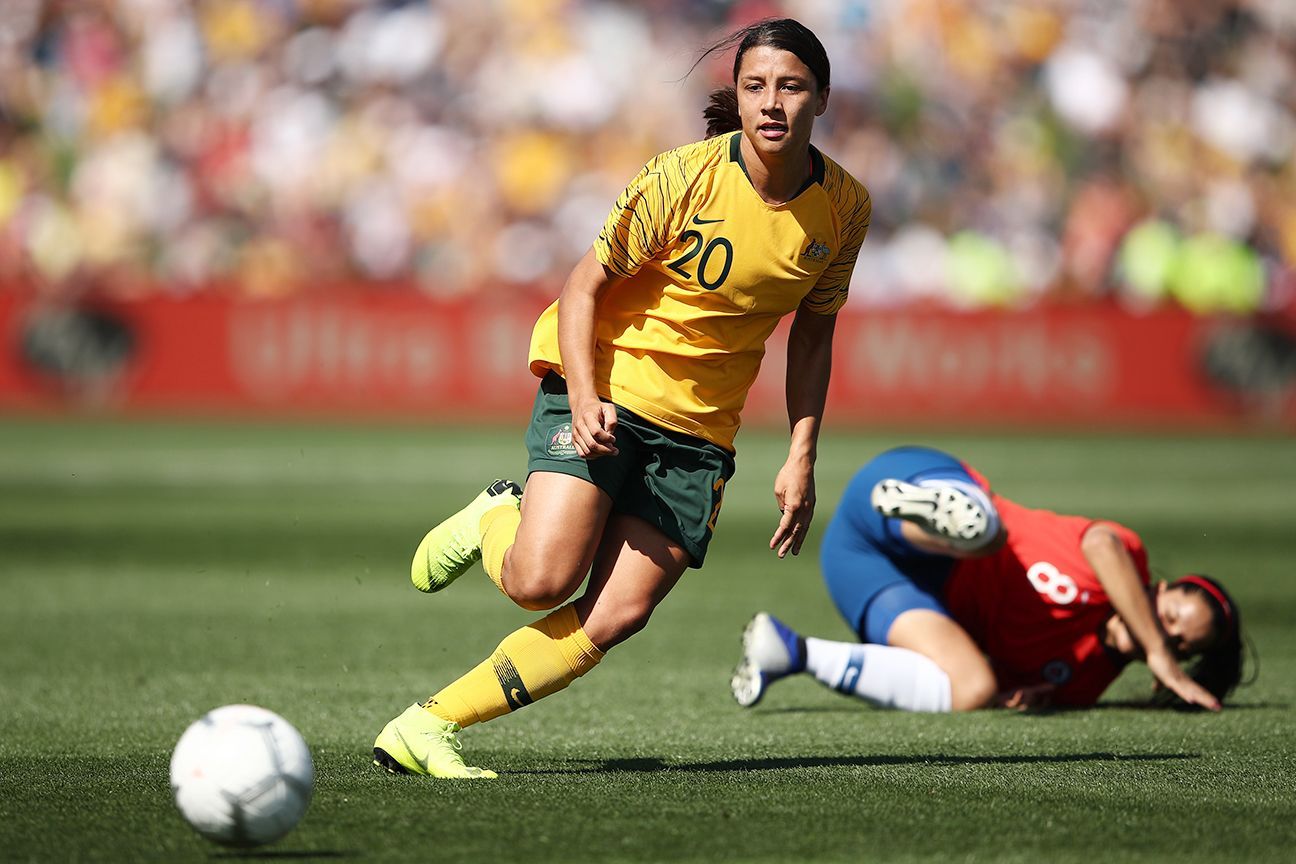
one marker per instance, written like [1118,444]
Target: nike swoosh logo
[515,695]
[698,220]
[410,750]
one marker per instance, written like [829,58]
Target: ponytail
[721,112]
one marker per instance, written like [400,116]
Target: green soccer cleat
[449,549]
[419,742]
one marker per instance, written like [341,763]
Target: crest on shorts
[1056,672]
[560,444]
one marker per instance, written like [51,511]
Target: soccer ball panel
[242,775]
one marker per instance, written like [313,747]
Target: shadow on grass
[1144,705]
[652,763]
[285,854]
[1045,711]
[846,707]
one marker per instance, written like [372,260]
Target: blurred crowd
[1015,149]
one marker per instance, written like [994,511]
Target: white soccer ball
[242,776]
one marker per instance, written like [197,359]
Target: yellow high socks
[499,527]
[540,658]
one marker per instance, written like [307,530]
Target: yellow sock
[499,527]
[541,658]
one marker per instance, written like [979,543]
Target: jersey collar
[816,163]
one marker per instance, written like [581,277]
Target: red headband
[1209,587]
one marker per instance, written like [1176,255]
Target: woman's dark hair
[785,34]
[1219,667]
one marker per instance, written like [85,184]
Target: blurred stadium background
[1083,211]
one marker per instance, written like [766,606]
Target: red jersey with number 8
[1036,606]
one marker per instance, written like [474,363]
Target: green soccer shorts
[671,480]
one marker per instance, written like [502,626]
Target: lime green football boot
[419,742]
[452,547]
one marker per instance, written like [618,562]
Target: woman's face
[1185,619]
[778,99]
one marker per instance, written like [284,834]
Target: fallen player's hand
[1026,698]
[1168,671]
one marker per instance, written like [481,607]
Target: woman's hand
[1171,675]
[1026,698]
[594,428]
[794,490]
[809,364]
[593,421]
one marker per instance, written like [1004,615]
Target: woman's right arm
[1115,569]
[593,421]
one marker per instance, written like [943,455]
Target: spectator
[454,147]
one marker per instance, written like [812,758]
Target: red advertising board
[401,354]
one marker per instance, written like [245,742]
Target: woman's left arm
[809,365]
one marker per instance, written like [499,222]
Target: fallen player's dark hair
[1219,667]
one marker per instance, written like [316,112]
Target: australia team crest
[817,251]
[560,444]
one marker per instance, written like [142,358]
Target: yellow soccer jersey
[709,269]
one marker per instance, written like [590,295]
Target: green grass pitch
[153,571]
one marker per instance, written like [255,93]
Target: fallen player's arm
[1114,566]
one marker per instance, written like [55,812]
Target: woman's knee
[609,626]
[971,688]
[533,584]
[939,638]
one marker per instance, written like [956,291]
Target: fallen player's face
[1186,619]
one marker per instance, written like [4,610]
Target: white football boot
[939,508]
[771,650]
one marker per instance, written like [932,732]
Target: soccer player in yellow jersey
[645,361]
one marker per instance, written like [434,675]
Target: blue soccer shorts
[873,574]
